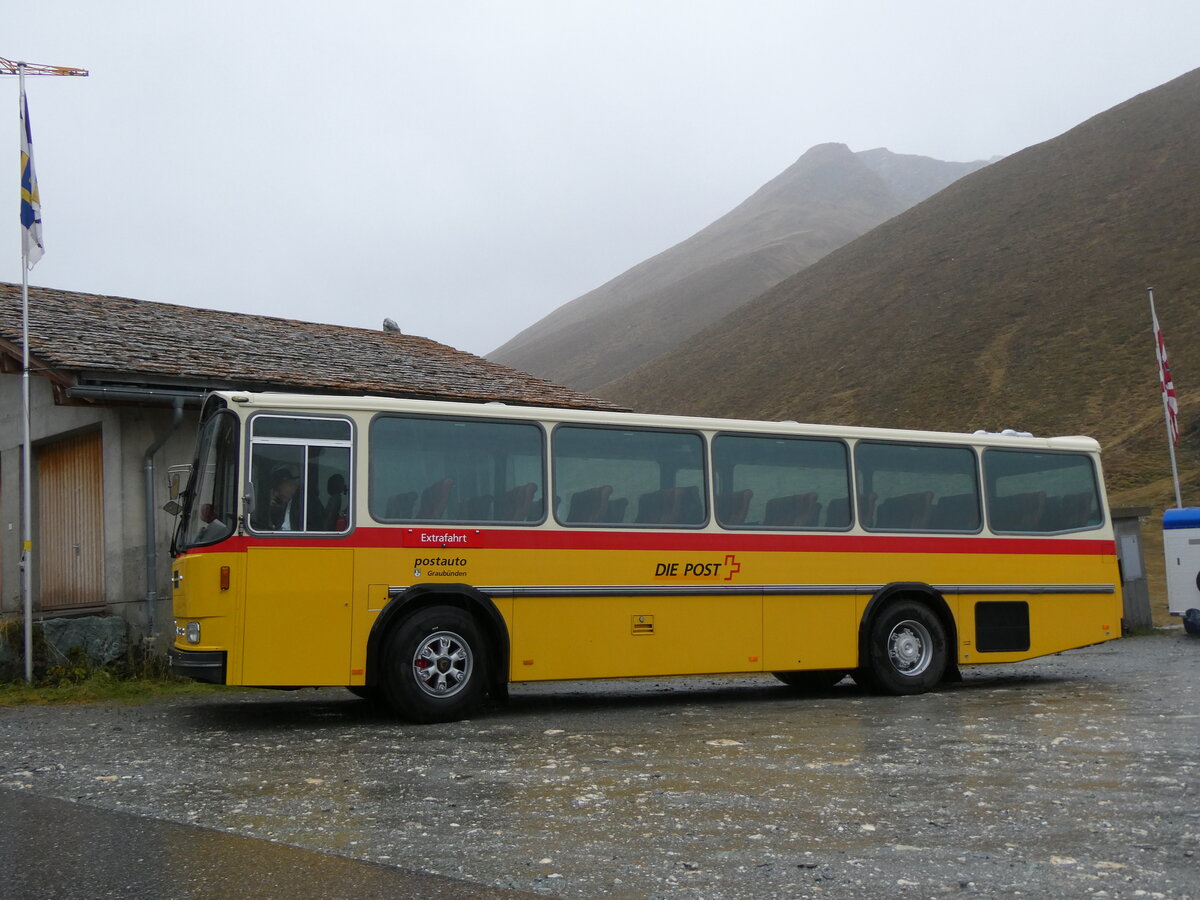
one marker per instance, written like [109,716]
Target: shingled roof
[90,339]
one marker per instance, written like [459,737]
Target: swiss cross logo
[732,566]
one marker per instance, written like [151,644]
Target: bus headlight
[193,632]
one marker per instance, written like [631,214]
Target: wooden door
[70,532]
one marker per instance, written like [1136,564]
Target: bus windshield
[210,504]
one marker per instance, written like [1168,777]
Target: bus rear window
[1037,493]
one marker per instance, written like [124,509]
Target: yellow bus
[431,553]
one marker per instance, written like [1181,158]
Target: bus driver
[284,512]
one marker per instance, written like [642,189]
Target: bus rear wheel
[906,649]
[435,666]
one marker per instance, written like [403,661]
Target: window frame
[976,461]
[351,476]
[770,436]
[705,476]
[470,420]
[1097,490]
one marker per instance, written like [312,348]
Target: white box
[1181,547]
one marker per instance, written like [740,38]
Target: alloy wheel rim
[442,664]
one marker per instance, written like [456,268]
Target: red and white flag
[1165,380]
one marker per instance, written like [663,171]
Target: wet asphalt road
[1072,776]
[54,849]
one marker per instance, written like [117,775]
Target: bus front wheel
[906,649]
[435,666]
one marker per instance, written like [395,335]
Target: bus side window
[1038,493]
[330,504]
[618,476]
[300,474]
[433,469]
[766,481]
[917,487]
[277,473]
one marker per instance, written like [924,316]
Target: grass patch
[98,687]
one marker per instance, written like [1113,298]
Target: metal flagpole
[26,454]
[20,69]
[1160,355]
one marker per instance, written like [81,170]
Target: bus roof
[335,403]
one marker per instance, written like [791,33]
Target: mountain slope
[828,197]
[1014,298]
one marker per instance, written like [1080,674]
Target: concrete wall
[126,434]
[126,522]
[1127,525]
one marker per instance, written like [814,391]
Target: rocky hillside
[827,198]
[1014,298]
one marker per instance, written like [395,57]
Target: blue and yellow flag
[31,203]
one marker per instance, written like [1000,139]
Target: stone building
[115,399]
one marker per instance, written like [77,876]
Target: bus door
[299,579]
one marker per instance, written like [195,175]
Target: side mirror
[177,477]
[172,507]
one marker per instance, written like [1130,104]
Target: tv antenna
[10,67]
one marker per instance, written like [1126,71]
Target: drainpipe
[151,548]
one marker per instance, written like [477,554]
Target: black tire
[1191,620]
[818,680]
[906,650]
[435,666]
[369,693]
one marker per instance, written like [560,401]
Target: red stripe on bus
[537,539]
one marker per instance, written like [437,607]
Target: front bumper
[201,665]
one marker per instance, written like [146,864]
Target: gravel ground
[1075,775]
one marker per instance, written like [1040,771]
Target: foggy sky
[467,167]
